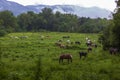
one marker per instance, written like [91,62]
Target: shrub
[2,33]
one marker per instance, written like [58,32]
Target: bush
[2,33]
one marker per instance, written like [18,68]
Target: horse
[94,45]
[68,42]
[57,44]
[89,49]
[60,40]
[113,50]
[65,56]
[82,54]
[65,37]
[23,37]
[88,43]
[62,46]
[77,42]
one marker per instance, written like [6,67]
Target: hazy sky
[107,4]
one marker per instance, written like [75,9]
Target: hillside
[80,11]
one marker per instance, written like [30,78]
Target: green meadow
[37,58]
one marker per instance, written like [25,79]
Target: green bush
[2,33]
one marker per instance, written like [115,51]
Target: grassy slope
[28,59]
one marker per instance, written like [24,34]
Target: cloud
[107,4]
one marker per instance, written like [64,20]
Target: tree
[111,34]
[107,37]
[8,21]
[48,18]
[25,21]
[116,28]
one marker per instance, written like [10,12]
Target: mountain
[92,12]
[12,6]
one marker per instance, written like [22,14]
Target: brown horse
[113,50]
[89,49]
[65,56]
[77,42]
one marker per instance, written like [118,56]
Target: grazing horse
[57,44]
[82,54]
[113,50]
[65,56]
[66,37]
[88,43]
[60,40]
[89,49]
[77,42]
[94,45]
[62,46]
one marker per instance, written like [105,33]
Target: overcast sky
[107,4]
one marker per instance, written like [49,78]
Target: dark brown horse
[82,54]
[89,44]
[65,56]
[77,42]
[113,50]
[89,49]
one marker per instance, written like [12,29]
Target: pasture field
[36,57]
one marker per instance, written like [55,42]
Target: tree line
[49,21]
[111,34]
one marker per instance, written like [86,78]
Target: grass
[29,58]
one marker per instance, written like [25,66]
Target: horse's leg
[59,60]
[62,60]
[71,59]
[114,53]
[80,56]
[68,60]
[90,50]
[111,52]
[84,56]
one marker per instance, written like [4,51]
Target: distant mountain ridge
[92,12]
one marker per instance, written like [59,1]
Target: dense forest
[49,21]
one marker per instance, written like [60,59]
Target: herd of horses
[112,51]
[84,54]
[68,56]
